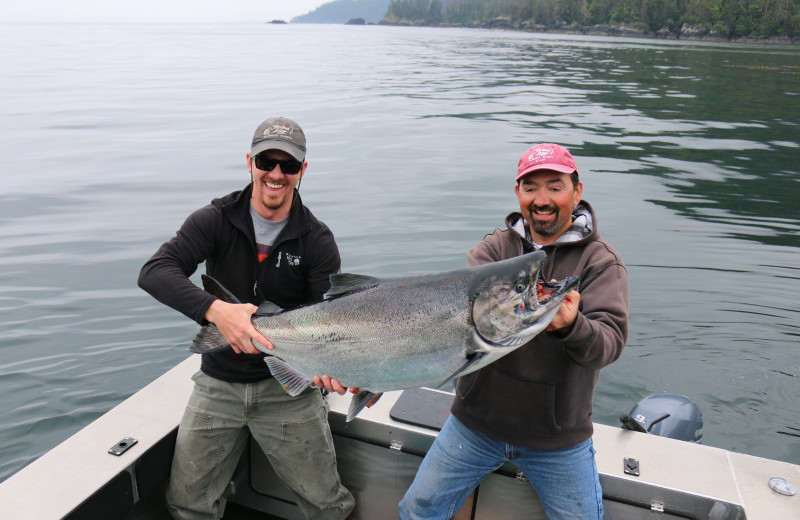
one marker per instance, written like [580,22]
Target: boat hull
[378,454]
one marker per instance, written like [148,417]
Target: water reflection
[711,123]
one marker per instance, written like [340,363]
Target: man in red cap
[533,407]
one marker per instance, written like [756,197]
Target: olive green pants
[292,431]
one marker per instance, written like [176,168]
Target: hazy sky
[155,10]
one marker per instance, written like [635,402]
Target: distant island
[343,11]
[768,21]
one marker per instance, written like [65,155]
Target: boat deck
[378,457]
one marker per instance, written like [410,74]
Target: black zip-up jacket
[297,271]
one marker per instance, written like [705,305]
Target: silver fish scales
[380,334]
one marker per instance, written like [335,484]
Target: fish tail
[213,287]
[208,340]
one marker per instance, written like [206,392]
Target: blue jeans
[565,480]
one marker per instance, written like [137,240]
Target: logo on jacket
[292,260]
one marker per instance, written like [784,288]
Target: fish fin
[357,403]
[208,340]
[346,283]
[267,308]
[471,358]
[215,288]
[292,381]
[446,386]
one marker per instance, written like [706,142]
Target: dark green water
[111,135]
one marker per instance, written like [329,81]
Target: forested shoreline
[726,20]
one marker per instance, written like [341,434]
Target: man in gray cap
[261,243]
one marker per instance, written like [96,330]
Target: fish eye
[520,287]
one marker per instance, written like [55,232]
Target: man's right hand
[233,321]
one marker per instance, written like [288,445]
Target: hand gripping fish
[380,334]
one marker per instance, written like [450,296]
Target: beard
[541,228]
[274,201]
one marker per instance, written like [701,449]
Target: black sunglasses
[267,164]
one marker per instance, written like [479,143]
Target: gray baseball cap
[279,133]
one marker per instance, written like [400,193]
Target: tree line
[727,18]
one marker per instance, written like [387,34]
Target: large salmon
[381,334]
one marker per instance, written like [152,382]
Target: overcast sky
[257,11]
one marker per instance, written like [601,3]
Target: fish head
[512,303]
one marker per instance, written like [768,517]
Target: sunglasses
[267,164]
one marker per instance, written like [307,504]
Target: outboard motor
[666,415]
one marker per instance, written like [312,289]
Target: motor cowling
[666,415]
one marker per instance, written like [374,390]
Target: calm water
[111,135]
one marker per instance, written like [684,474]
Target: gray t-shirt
[267,232]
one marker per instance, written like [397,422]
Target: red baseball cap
[546,156]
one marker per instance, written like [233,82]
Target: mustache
[548,207]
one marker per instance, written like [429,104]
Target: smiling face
[546,200]
[273,191]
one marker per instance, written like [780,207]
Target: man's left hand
[333,385]
[567,314]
